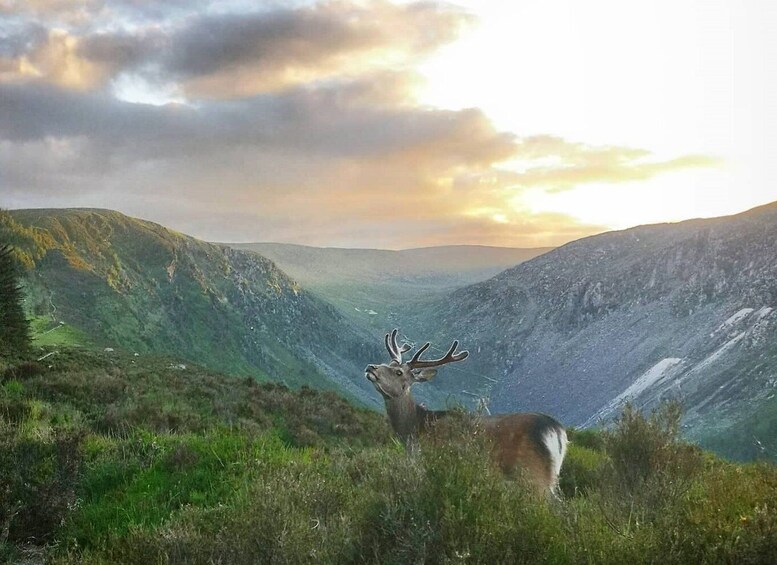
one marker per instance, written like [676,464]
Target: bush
[38,483]
[582,470]
[449,504]
[647,456]
[22,371]
[589,438]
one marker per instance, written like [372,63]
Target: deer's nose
[371,368]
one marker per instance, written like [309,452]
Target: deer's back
[532,443]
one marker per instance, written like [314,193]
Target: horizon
[389,125]
[397,250]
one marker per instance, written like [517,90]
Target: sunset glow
[669,77]
[381,124]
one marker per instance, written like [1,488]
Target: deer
[531,445]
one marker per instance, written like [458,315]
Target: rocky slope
[685,310]
[138,286]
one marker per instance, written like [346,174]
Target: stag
[531,444]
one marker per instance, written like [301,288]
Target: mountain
[378,288]
[681,310]
[125,283]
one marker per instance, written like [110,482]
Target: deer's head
[393,380]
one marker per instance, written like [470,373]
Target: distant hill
[685,310]
[378,288]
[135,285]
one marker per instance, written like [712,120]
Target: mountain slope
[684,310]
[135,285]
[377,288]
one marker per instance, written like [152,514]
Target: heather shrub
[647,457]
[22,371]
[38,483]
[582,470]
[589,438]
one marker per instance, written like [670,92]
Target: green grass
[46,333]
[140,481]
[111,458]
[128,284]
[448,506]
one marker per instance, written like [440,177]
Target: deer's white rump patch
[555,440]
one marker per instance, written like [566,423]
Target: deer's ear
[424,375]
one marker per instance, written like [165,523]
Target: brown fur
[514,449]
[518,439]
[516,452]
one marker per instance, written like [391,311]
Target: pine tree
[14,326]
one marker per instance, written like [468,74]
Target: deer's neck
[409,419]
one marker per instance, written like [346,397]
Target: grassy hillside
[101,277]
[378,288]
[110,458]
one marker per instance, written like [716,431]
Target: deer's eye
[398,372]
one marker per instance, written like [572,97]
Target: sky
[390,124]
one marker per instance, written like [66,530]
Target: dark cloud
[333,121]
[217,55]
[273,49]
[336,124]
[121,51]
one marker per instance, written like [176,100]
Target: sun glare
[556,68]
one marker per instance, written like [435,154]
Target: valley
[674,311]
[116,447]
[378,288]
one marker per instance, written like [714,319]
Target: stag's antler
[394,350]
[450,357]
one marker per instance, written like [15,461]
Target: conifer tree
[14,326]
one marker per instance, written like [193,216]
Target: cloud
[56,59]
[353,142]
[337,121]
[237,55]
[221,55]
[59,11]
[556,165]
[91,14]
[339,164]
[299,125]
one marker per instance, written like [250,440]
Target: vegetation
[14,326]
[113,458]
[99,277]
[95,445]
[752,437]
